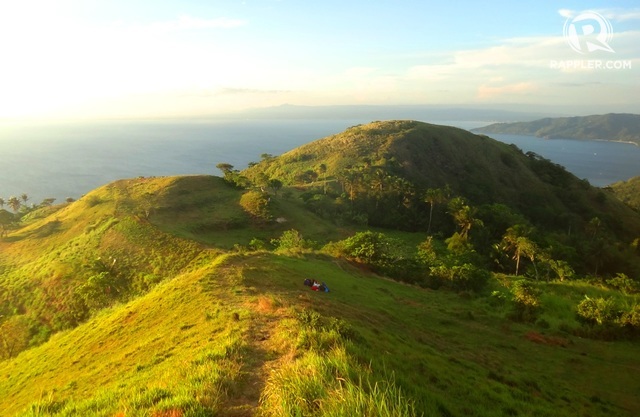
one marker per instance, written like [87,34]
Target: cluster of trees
[503,237]
[19,204]
[15,203]
[19,207]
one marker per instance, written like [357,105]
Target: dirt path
[258,362]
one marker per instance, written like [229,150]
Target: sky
[102,59]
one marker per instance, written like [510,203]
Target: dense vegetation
[474,190]
[628,192]
[614,127]
[184,296]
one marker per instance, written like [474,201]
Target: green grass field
[216,340]
[229,333]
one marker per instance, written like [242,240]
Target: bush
[465,277]
[623,283]
[631,319]
[257,244]
[368,247]
[292,240]
[256,204]
[598,311]
[526,301]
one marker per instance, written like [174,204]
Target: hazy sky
[143,58]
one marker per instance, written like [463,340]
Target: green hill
[613,127]
[242,336]
[184,296]
[378,174]
[629,192]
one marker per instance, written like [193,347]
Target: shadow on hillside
[43,231]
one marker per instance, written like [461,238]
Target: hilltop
[184,296]
[378,174]
[611,127]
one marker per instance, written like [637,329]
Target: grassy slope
[225,330]
[629,192]
[206,209]
[482,169]
[156,352]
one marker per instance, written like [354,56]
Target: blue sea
[60,161]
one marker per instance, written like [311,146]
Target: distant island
[613,127]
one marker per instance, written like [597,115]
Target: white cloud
[566,13]
[610,13]
[620,14]
[193,23]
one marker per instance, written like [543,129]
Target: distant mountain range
[611,127]
[390,112]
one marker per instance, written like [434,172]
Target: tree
[464,216]
[350,180]
[47,202]
[6,219]
[225,167]
[275,184]
[24,198]
[308,176]
[515,240]
[14,203]
[14,336]
[2,202]
[322,170]
[433,196]
[593,227]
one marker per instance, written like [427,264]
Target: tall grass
[326,378]
[332,384]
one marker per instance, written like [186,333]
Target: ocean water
[600,162]
[61,161]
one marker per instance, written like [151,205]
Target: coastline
[554,138]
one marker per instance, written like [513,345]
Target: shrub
[598,311]
[256,204]
[257,244]
[623,283]
[292,240]
[465,277]
[631,318]
[368,247]
[526,301]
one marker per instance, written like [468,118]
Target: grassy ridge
[178,315]
[243,328]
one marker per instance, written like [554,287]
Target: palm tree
[24,198]
[322,169]
[14,203]
[464,216]
[433,196]
[516,240]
